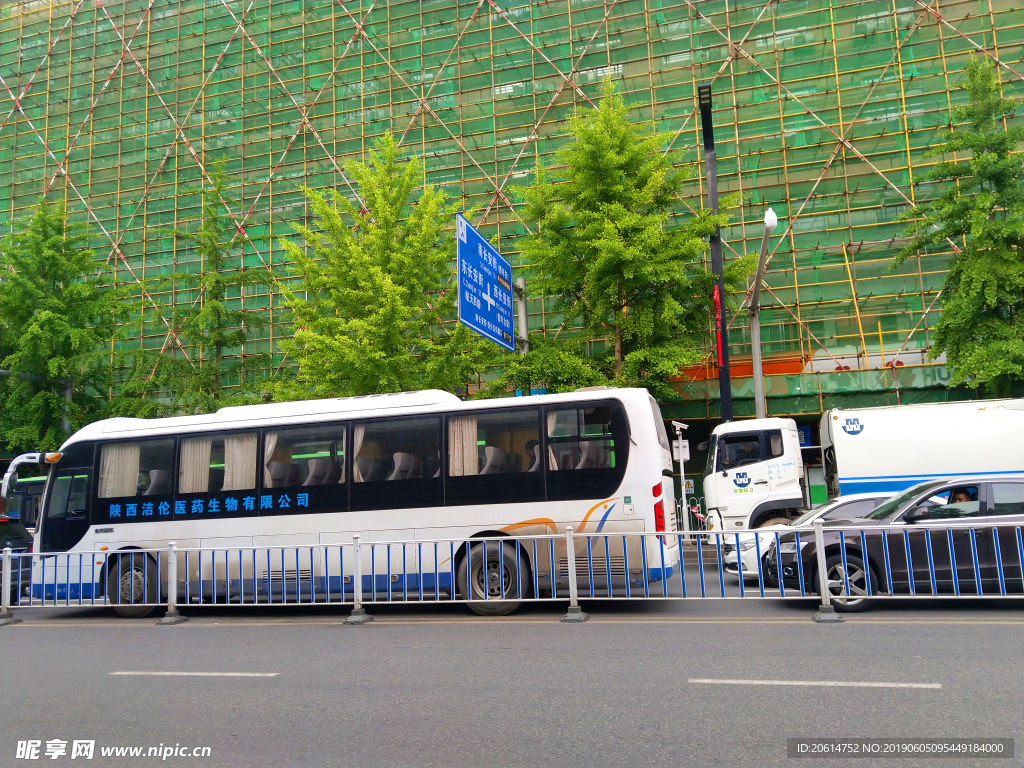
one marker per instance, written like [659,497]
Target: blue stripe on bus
[601,524]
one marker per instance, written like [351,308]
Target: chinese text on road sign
[485,286]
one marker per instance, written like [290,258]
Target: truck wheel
[135,581]
[857,599]
[773,521]
[500,574]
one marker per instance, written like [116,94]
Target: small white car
[849,507]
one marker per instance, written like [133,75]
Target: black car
[14,535]
[962,535]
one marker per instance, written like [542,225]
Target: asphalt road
[436,686]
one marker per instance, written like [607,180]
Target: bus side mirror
[702,446]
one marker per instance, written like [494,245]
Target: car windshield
[896,502]
[806,517]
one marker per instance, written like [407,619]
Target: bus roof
[307,411]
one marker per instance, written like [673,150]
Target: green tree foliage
[981,209]
[376,284]
[59,311]
[208,370]
[549,365]
[606,248]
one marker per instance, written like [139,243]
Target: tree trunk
[618,347]
[618,330]
[216,375]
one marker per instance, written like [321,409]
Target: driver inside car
[962,502]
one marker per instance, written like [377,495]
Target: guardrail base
[170,618]
[827,615]
[575,615]
[8,618]
[359,616]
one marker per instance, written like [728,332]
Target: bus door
[64,520]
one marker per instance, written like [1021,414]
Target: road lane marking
[199,674]
[820,683]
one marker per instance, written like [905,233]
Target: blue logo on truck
[853,427]
[741,480]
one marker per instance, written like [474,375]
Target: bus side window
[218,463]
[136,469]
[494,457]
[306,456]
[580,438]
[394,450]
[586,450]
[494,443]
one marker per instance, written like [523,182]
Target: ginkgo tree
[611,255]
[375,291]
[980,208]
[60,309]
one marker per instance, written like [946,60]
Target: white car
[849,507]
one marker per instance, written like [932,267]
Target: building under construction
[823,111]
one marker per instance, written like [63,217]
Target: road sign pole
[523,333]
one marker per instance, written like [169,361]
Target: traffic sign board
[485,285]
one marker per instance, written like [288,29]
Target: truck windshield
[712,452]
[896,502]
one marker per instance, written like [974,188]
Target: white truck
[754,474]
[892,448]
[755,471]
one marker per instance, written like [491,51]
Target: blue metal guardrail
[861,563]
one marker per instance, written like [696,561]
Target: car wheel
[134,580]
[857,599]
[485,586]
[773,521]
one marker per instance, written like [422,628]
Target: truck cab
[755,474]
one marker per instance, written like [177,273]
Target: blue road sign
[485,286]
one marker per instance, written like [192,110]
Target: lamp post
[754,311]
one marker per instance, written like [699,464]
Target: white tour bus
[399,467]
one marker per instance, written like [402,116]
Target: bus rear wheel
[484,587]
[132,583]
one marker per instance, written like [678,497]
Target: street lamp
[770,222]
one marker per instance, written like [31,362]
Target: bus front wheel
[506,573]
[131,583]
